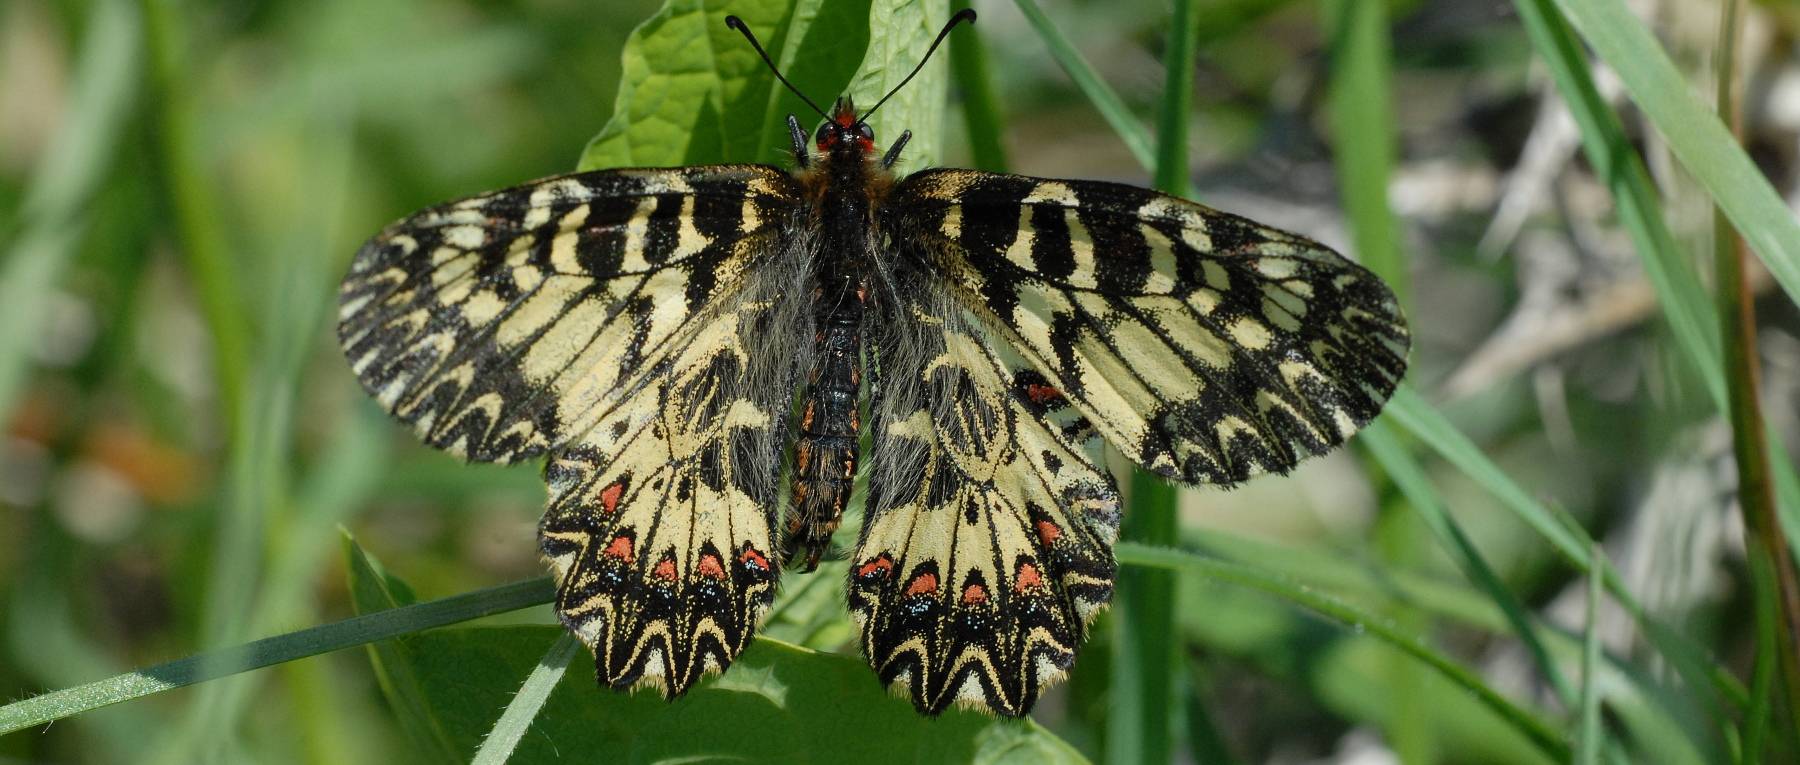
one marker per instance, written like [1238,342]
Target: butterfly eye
[824,135]
[868,133]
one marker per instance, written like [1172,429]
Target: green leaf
[694,91]
[778,702]
[372,590]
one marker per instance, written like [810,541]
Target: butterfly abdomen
[825,452]
[825,449]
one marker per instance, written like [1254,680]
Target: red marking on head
[923,584]
[620,548]
[1042,395]
[1047,532]
[1029,578]
[609,496]
[881,564]
[665,570]
[753,559]
[710,566]
[974,595]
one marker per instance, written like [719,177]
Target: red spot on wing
[881,565]
[923,584]
[753,559]
[974,595]
[665,570]
[609,496]
[1047,532]
[619,548]
[711,567]
[1043,395]
[1028,579]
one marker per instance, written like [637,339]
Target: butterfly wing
[496,325]
[1206,347]
[627,324]
[987,542]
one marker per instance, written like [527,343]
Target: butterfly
[676,341]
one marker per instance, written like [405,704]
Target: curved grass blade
[270,651]
[1104,98]
[1410,477]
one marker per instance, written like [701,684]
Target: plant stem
[1756,493]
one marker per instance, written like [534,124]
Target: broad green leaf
[778,703]
[372,590]
[900,31]
[695,92]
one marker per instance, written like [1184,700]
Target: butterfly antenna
[961,16]
[738,24]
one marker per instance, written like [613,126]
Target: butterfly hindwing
[661,520]
[497,325]
[987,543]
[1208,348]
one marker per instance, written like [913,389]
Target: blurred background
[182,184]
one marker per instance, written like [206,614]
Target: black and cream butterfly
[648,329]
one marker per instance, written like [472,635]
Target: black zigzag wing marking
[987,546]
[661,521]
[498,326]
[1208,348]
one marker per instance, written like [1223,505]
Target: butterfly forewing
[1204,346]
[502,325]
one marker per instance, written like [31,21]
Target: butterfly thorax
[845,186]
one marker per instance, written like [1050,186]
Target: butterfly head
[845,132]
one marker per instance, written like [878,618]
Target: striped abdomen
[825,452]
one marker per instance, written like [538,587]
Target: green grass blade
[1749,436]
[1105,100]
[53,213]
[1363,134]
[1683,300]
[1410,477]
[1410,411]
[1145,668]
[1143,694]
[1526,722]
[1694,133]
[980,105]
[1617,164]
[1588,734]
[1762,673]
[498,747]
[270,651]
[1178,99]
